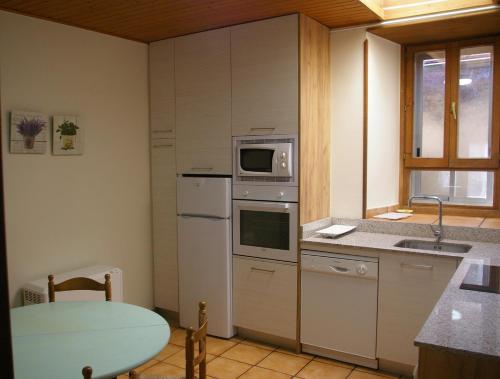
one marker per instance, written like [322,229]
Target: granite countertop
[462,320]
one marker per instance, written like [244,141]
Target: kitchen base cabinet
[409,287]
[164,199]
[265,296]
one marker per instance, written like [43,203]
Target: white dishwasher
[339,306]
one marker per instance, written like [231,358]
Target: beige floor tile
[168,351]
[292,352]
[223,368]
[178,337]
[164,369]
[285,363]
[246,354]
[217,346]
[334,362]
[146,365]
[262,345]
[179,359]
[318,370]
[263,373]
[375,374]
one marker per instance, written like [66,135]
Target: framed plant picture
[67,138]
[28,132]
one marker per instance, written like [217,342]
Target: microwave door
[256,160]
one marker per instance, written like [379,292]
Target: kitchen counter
[462,320]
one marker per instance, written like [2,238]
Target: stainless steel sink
[434,246]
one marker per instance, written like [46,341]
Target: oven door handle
[285,207]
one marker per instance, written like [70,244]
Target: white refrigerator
[204,251]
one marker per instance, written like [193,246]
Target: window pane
[429,97]
[475,102]
[455,187]
[265,229]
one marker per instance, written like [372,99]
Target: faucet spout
[438,233]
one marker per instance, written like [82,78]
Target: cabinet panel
[265,296]
[265,77]
[163,180]
[203,102]
[162,89]
[409,287]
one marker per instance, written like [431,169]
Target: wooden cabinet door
[265,296]
[164,190]
[203,102]
[409,287]
[265,77]
[162,89]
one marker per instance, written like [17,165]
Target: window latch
[454,110]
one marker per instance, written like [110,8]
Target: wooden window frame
[450,161]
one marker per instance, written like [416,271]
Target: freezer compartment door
[204,249]
[206,196]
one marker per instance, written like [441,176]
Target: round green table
[56,340]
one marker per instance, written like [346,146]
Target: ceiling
[152,20]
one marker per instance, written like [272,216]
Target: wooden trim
[365,128]
[5,331]
[402,130]
[314,126]
[442,364]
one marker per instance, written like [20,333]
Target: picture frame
[28,132]
[67,135]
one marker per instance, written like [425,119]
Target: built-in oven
[265,229]
[265,159]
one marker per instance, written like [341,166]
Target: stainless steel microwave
[265,159]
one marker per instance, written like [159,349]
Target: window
[452,123]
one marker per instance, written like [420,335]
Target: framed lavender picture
[28,132]
[67,137]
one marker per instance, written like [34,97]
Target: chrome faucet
[438,233]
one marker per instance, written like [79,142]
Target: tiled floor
[237,358]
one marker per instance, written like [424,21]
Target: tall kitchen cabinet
[280,72]
[280,80]
[203,102]
[163,174]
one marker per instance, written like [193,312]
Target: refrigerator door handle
[183,215]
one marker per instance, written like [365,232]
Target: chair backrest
[192,338]
[87,372]
[76,284]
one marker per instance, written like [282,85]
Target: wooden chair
[76,284]
[192,360]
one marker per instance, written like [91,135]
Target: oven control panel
[269,193]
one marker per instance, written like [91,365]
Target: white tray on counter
[335,230]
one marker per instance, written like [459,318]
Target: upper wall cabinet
[203,102]
[265,77]
[162,89]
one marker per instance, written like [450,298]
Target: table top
[56,340]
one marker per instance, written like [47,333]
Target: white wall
[383,122]
[347,122]
[66,212]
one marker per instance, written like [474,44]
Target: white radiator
[37,291]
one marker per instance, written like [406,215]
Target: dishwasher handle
[362,270]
